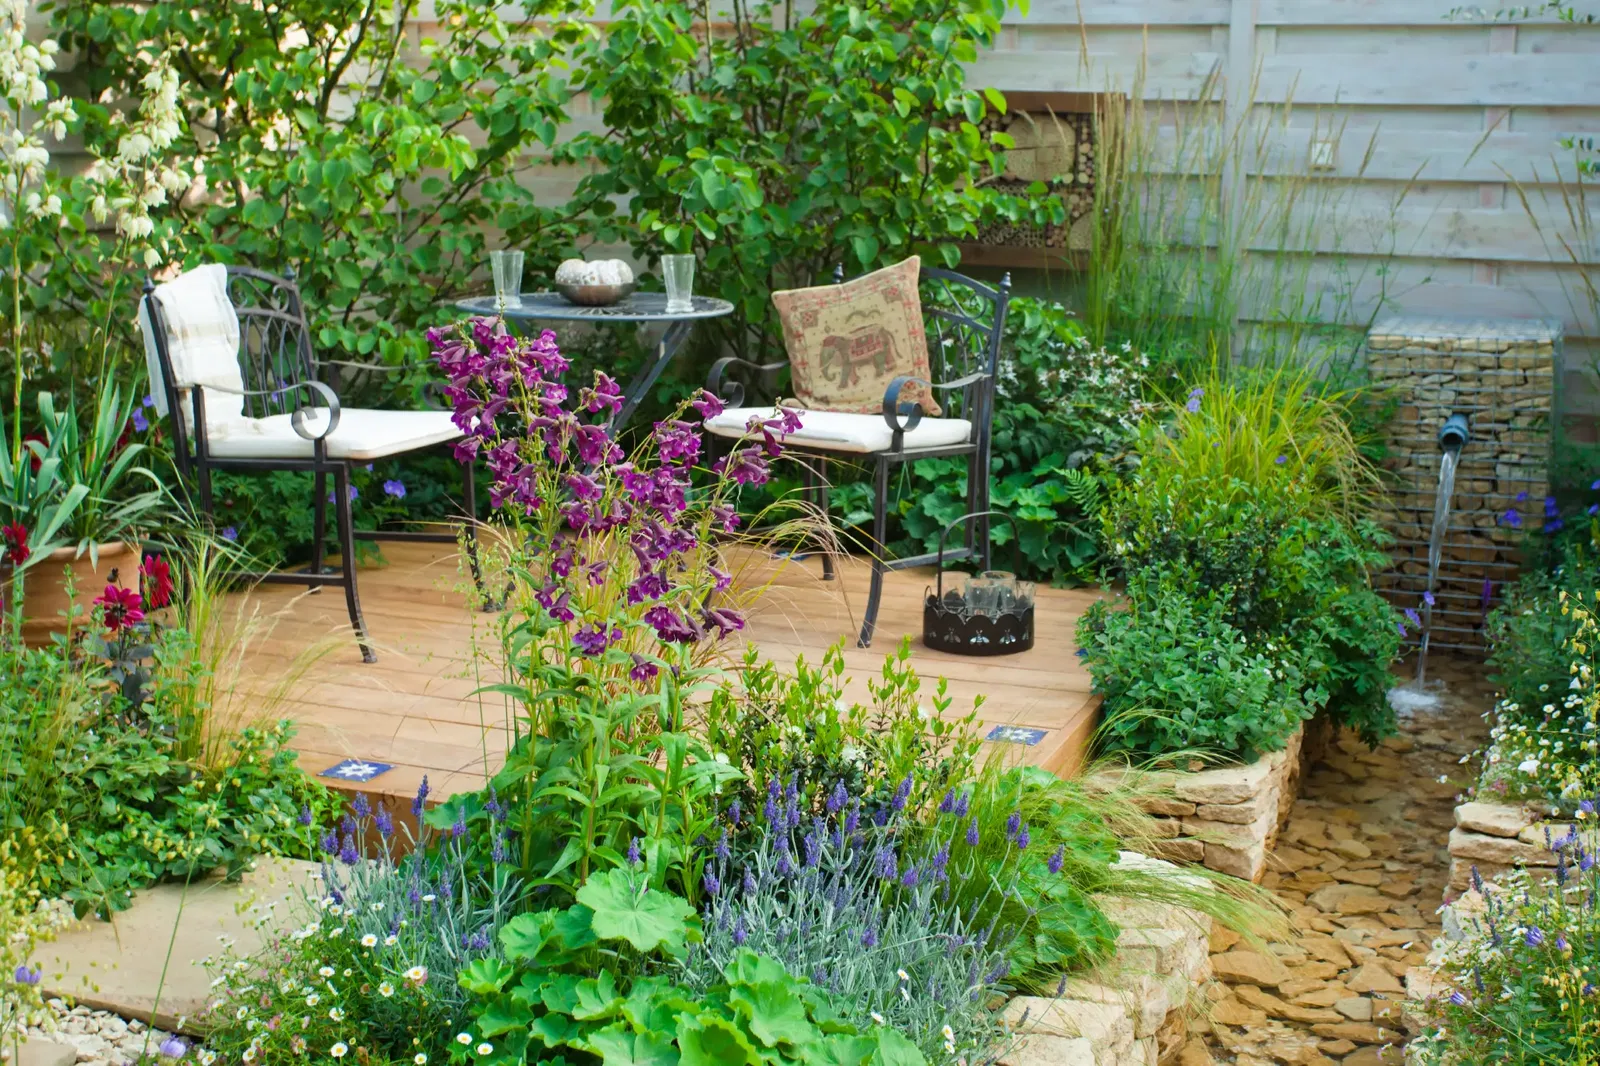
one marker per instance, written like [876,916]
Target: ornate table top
[637,307]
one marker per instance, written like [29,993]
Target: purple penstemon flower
[709,405]
[746,466]
[643,669]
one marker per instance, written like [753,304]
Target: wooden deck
[414,709]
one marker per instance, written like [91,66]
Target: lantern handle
[1016,546]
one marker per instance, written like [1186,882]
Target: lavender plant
[1523,974]
[364,962]
[892,919]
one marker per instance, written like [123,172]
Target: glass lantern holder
[993,615]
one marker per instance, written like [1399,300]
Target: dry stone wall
[1495,837]
[1227,819]
[1135,1009]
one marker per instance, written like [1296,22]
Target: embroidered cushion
[847,342]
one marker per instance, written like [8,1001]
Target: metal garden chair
[964,320]
[285,417]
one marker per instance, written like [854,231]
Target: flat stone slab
[1494,819]
[38,1051]
[118,965]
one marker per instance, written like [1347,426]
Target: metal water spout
[1453,436]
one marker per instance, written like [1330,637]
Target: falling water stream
[1441,522]
[1417,695]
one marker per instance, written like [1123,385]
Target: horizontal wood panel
[1411,288]
[1444,80]
[1165,76]
[1393,155]
[1377,13]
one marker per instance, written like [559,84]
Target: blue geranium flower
[394,488]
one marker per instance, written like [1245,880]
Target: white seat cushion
[837,431]
[361,434]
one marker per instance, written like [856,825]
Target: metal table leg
[640,387]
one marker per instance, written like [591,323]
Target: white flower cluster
[140,176]
[23,125]
[1551,754]
[126,186]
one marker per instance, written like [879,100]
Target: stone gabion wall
[1501,374]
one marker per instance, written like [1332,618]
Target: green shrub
[376,171]
[796,727]
[1178,678]
[1243,543]
[96,800]
[793,143]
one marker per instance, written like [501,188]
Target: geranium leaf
[648,920]
[776,1015]
[616,1046]
[711,1041]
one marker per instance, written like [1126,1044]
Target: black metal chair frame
[277,361]
[965,350]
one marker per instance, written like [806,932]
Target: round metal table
[642,308]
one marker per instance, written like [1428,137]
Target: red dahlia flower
[158,584]
[123,607]
[16,551]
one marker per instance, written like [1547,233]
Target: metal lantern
[992,615]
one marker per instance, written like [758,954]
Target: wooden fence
[1442,133]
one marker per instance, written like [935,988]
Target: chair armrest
[298,418]
[962,382]
[729,391]
[893,409]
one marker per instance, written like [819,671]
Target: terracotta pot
[45,603]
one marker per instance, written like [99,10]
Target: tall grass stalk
[210,657]
[1208,229]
